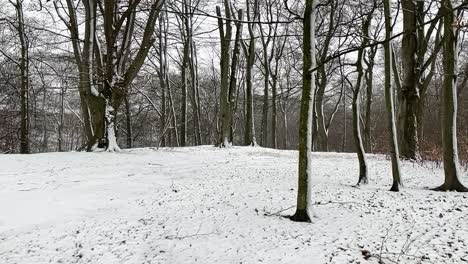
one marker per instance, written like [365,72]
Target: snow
[212,205]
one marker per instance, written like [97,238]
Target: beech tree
[414,82]
[250,138]
[358,142]
[112,63]
[228,70]
[449,101]
[389,99]
[306,112]
[23,65]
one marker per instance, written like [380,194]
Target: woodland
[363,77]
[233,131]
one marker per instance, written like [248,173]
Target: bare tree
[358,142]
[24,69]
[305,122]
[249,53]
[449,105]
[228,71]
[389,99]
[115,69]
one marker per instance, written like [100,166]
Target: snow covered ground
[210,205]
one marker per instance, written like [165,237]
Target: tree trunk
[343,141]
[195,97]
[183,104]
[305,119]
[369,94]
[249,137]
[24,91]
[233,75]
[389,99]
[225,133]
[356,103]
[128,119]
[449,106]
[322,135]
[45,137]
[265,100]
[274,119]
[409,94]
[62,117]
[163,28]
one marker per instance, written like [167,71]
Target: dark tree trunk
[249,137]
[409,94]
[356,104]
[305,122]
[128,119]
[224,115]
[449,106]
[24,91]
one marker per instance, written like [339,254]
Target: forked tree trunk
[321,136]
[225,36]
[356,103]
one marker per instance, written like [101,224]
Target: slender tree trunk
[274,119]
[45,137]
[175,134]
[266,104]
[24,91]
[183,103]
[233,75]
[389,99]
[369,94]
[195,97]
[163,28]
[61,121]
[128,119]
[343,141]
[249,137]
[321,136]
[449,107]
[305,122]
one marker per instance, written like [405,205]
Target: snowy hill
[210,205]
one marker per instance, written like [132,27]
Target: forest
[369,92]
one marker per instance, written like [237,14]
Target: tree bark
[225,108]
[249,52]
[24,69]
[389,99]
[449,106]
[305,120]
[409,94]
[356,103]
[128,122]
[369,94]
